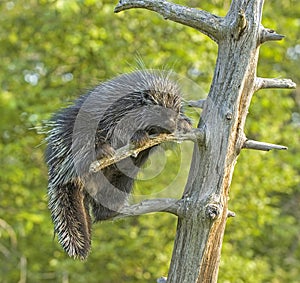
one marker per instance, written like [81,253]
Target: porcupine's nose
[169,125]
[184,125]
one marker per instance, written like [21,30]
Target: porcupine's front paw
[140,138]
[104,150]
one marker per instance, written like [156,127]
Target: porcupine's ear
[70,214]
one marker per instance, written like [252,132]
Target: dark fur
[126,109]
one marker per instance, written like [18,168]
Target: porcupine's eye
[157,130]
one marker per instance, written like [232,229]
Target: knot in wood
[213,210]
[228,115]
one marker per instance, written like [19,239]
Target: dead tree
[203,209]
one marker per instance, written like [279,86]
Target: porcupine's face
[161,112]
[166,114]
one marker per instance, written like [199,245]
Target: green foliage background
[51,52]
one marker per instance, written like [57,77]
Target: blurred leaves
[53,51]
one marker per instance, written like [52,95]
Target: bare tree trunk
[224,117]
[203,210]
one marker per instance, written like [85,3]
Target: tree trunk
[200,233]
[198,243]
[204,205]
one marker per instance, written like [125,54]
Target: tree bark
[204,205]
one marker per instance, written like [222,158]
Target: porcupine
[125,109]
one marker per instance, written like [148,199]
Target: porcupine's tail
[70,214]
[68,201]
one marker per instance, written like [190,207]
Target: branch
[251,144]
[207,23]
[269,35]
[196,103]
[162,280]
[150,205]
[263,83]
[196,135]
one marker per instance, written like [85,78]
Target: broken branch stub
[264,83]
[251,144]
